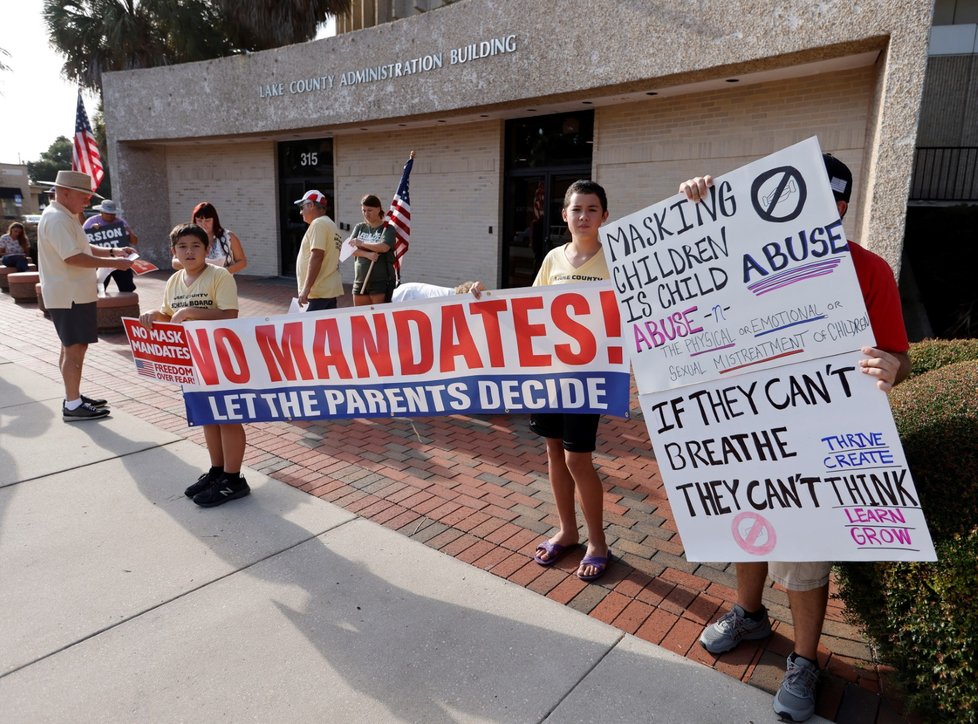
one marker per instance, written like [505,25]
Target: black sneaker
[83,412]
[94,403]
[221,492]
[203,483]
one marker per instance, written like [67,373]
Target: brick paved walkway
[476,488]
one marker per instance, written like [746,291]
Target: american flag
[84,155]
[399,216]
[145,367]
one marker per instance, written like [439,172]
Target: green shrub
[923,617]
[937,417]
[925,625]
[931,354]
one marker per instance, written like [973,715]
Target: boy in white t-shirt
[202,291]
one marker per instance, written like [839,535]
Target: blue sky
[36,104]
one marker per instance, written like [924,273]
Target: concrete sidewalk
[123,601]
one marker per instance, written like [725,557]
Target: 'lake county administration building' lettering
[422,64]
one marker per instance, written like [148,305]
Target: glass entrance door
[544,156]
[534,224]
[303,165]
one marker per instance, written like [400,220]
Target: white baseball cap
[314,196]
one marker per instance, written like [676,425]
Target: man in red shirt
[808,583]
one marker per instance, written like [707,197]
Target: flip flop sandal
[555,551]
[599,562]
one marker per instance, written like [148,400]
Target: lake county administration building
[505,103]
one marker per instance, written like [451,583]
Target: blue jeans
[17,260]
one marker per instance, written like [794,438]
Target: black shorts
[579,433]
[319,305]
[374,286]
[78,325]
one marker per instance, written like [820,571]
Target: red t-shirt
[882,299]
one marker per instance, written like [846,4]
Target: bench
[113,307]
[22,286]
[6,271]
[40,300]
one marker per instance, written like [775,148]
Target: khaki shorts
[799,576]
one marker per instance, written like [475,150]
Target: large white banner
[755,276]
[798,463]
[524,350]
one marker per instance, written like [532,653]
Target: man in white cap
[67,264]
[317,267]
[110,230]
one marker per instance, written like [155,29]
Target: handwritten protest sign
[160,353]
[547,348]
[798,463]
[756,275]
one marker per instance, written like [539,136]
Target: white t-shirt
[419,290]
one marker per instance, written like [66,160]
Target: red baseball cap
[314,196]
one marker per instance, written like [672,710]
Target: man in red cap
[317,268]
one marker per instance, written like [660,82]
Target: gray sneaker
[731,629]
[83,412]
[795,700]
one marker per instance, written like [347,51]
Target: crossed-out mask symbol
[754,533]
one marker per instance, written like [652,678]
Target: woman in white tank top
[225,247]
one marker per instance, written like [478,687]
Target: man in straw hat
[67,264]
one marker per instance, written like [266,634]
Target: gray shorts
[799,576]
[77,325]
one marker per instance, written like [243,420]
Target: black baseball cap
[840,177]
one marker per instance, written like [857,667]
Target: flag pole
[366,279]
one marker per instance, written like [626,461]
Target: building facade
[505,103]
[941,241]
[16,196]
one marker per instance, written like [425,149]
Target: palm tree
[97,36]
[264,24]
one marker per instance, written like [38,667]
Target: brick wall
[644,150]
[455,196]
[240,180]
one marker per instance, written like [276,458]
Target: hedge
[934,353]
[923,617]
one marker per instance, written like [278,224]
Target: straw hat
[74,180]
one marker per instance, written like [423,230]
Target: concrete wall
[949,111]
[239,179]
[455,190]
[645,150]
[565,51]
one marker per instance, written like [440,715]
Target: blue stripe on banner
[605,393]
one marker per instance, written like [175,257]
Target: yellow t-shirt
[556,269]
[321,234]
[59,237]
[213,289]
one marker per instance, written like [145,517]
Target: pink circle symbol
[754,533]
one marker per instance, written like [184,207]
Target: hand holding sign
[346,251]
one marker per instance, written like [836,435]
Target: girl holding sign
[571,439]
